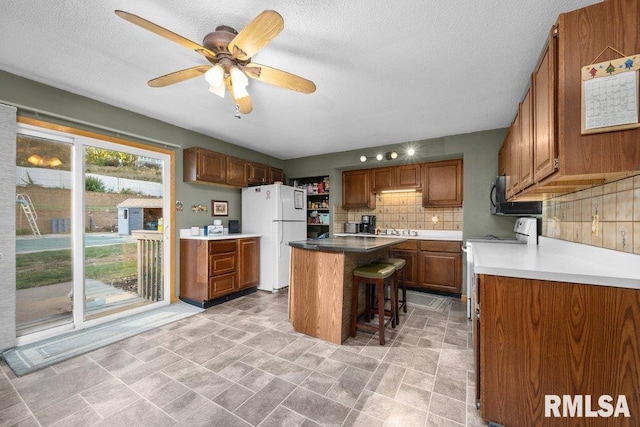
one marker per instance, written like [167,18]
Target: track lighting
[389,155]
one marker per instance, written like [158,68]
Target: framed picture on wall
[219,208]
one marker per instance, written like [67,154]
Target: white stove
[526,232]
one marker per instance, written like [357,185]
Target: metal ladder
[30,212]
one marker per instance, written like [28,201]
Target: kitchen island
[321,282]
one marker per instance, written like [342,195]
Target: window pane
[43,234]
[123,247]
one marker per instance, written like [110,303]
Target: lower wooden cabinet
[212,269]
[540,338]
[408,251]
[440,266]
[249,263]
[432,265]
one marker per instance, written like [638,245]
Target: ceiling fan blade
[157,29]
[256,35]
[279,78]
[179,76]
[244,103]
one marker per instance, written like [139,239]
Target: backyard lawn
[107,264]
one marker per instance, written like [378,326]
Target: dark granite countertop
[347,244]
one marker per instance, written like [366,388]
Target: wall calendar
[610,94]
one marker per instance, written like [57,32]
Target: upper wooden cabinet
[206,166]
[565,160]
[275,175]
[525,113]
[356,190]
[544,111]
[236,171]
[200,165]
[382,179]
[406,177]
[258,174]
[442,183]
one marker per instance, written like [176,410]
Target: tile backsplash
[606,215]
[401,211]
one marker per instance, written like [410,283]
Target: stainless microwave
[500,205]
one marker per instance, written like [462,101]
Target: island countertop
[347,244]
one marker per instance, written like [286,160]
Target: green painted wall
[479,151]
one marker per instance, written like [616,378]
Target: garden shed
[139,214]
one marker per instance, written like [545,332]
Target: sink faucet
[395,232]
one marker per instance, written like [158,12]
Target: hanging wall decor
[610,94]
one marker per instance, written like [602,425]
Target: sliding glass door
[90,238]
[44,262]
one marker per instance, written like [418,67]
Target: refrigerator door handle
[280,238]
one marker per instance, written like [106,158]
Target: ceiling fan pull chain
[237,115]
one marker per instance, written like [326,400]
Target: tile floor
[241,364]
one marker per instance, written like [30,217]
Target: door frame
[82,139]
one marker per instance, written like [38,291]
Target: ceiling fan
[229,53]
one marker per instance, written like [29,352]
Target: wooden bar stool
[377,276]
[399,282]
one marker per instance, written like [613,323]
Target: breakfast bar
[321,282]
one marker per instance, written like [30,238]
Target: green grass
[102,263]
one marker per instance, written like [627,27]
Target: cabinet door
[236,172]
[212,167]
[440,271]
[204,166]
[442,183]
[257,174]
[249,268]
[382,179]
[408,177]
[194,273]
[502,159]
[275,174]
[411,268]
[544,112]
[513,164]
[526,142]
[356,190]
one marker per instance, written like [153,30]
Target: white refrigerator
[278,213]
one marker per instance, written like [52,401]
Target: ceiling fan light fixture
[238,78]
[217,90]
[215,76]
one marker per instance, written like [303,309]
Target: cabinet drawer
[440,246]
[221,264]
[409,244]
[220,285]
[222,246]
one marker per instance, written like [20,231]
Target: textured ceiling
[386,71]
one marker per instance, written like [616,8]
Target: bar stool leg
[354,305]
[380,286]
[404,290]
